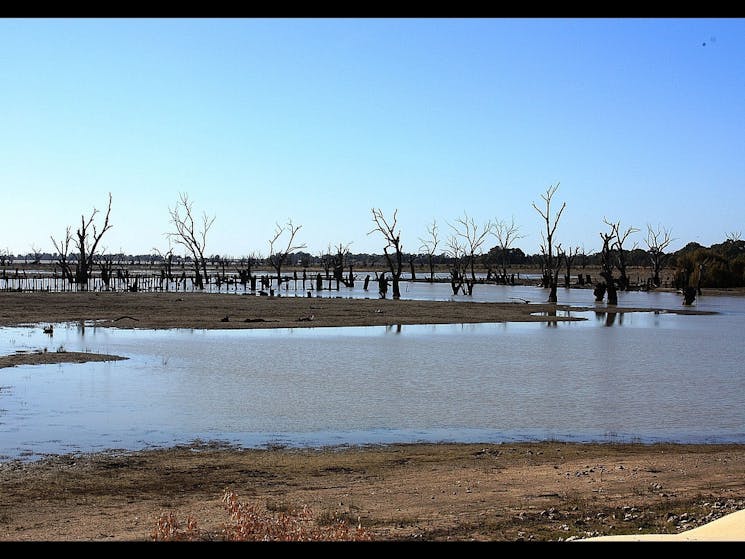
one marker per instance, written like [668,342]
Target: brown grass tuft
[252,522]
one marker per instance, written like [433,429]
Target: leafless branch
[658,239]
[546,215]
[191,236]
[473,237]
[551,265]
[429,245]
[277,257]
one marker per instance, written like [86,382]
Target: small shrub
[250,522]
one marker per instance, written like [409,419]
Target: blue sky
[261,121]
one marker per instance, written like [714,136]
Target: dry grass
[250,522]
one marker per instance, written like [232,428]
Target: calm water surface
[639,376]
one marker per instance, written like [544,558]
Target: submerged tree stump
[689,295]
[599,292]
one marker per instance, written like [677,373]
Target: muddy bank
[213,310]
[51,357]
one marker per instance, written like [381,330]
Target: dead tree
[106,265]
[657,241]
[339,261]
[569,257]
[582,277]
[689,295]
[620,252]
[693,269]
[551,262]
[191,236]
[701,270]
[327,261]
[277,257]
[429,246]
[86,240]
[459,255]
[382,285]
[473,239]
[37,254]
[244,271]
[63,255]
[689,291]
[166,272]
[393,242]
[506,234]
[606,268]
[411,258]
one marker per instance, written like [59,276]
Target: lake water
[612,377]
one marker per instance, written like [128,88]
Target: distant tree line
[79,252]
[718,266]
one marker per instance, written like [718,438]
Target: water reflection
[554,316]
[609,318]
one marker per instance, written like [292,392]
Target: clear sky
[261,121]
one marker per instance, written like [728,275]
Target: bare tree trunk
[599,292]
[106,271]
[610,286]
[689,295]
[396,286]
[701,268]
[469,286]
[552,297]
[382,286]
[456,281]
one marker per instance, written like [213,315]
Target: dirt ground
[213,310]
[506,492]
[546,491]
